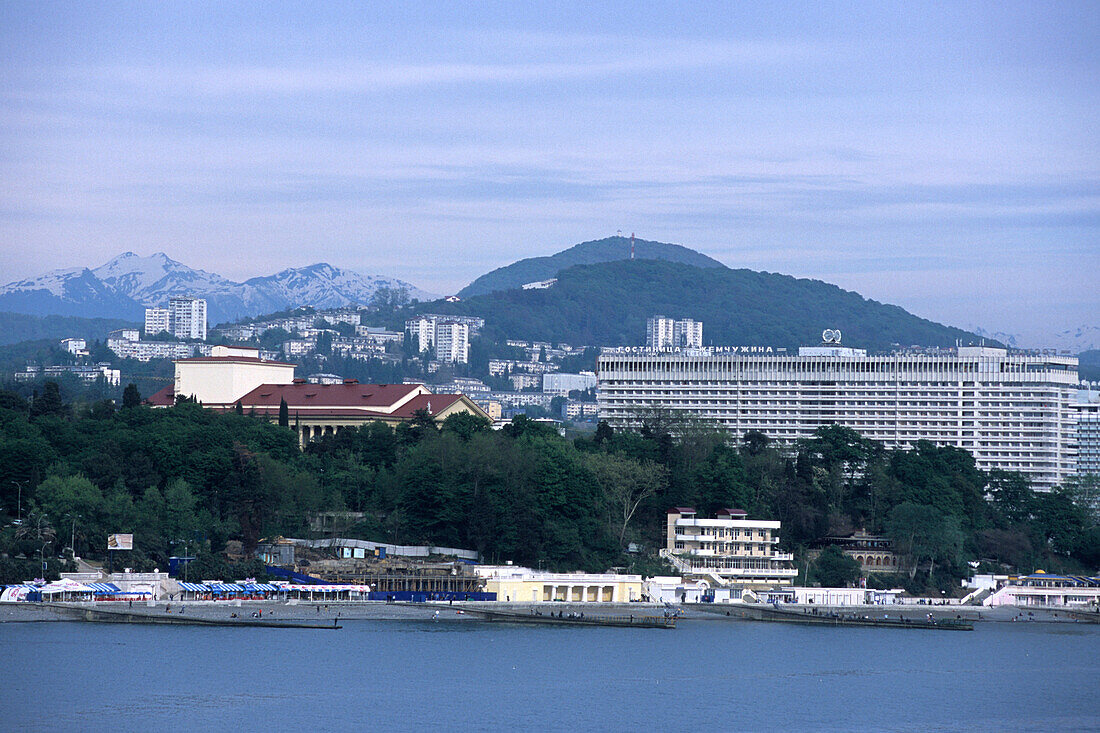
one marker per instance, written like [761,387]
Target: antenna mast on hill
[632,245]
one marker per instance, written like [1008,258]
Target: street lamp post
[72,535]
[19,501]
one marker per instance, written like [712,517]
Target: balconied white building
[663,332]
[1010,411]
[727,550]
[187,317]
[448,336]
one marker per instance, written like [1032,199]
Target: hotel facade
[728,550]
[1010,411]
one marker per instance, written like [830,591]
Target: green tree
[924,534]
[626,484]
[465,424]
[49,402]
[131,397]
[834,569]
[284,413]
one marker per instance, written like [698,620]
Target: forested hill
[608,304]
[16,327]
[586,253]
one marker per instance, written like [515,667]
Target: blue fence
[424,596]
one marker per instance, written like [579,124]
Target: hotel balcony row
[723,539]
[744,572]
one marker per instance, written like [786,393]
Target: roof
[163,397]
[354,395]
[237,359]
[682,510]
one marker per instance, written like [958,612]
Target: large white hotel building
[1010,411]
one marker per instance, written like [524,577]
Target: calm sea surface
[441,675]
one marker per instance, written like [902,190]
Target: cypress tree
[284,414]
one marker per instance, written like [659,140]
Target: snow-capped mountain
[1008,339]
[1082,338]
[1073,340]
[125,286]
[325,286]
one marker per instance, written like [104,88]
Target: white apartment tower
[1010,411]
[157,320]
[187,317]
[663,332]
[450,338]
[452,342]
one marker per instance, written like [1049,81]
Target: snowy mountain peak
[129,282]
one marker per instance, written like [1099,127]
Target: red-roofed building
[320,409]
[232,376]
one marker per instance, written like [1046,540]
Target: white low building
[1049,590]
[517,584]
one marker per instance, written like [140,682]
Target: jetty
[563,618]
[177,619]
[840,618]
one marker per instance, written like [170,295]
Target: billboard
[120,542]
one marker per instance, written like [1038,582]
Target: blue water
[718,675]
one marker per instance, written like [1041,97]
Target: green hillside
[608,304]
[587,253]
[1089,368]
[16,327]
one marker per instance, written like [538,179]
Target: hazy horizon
[943,159]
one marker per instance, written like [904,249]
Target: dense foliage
[534,269]
[187,480]
[16,327]
[1089,365]
[609,303]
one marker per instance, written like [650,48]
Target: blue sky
[941,157]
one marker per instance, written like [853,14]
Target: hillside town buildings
[663,332]
[1010,411]
[184,318]
[448,337]
[89,374]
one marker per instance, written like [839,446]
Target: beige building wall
[523,585]
[224,382]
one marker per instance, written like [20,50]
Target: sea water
[447,675]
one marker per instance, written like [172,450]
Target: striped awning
[259,587]
[104,587]
[193,587]
[226,588]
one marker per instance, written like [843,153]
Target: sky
[943,157]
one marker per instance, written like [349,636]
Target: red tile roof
[163,397]
[238,359]
[433,403]
[312,396]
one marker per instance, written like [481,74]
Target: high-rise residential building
[449,337]
[187,317]
[452,342]
[1010,411]
[663,332]
[1087,406]
[157,320]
